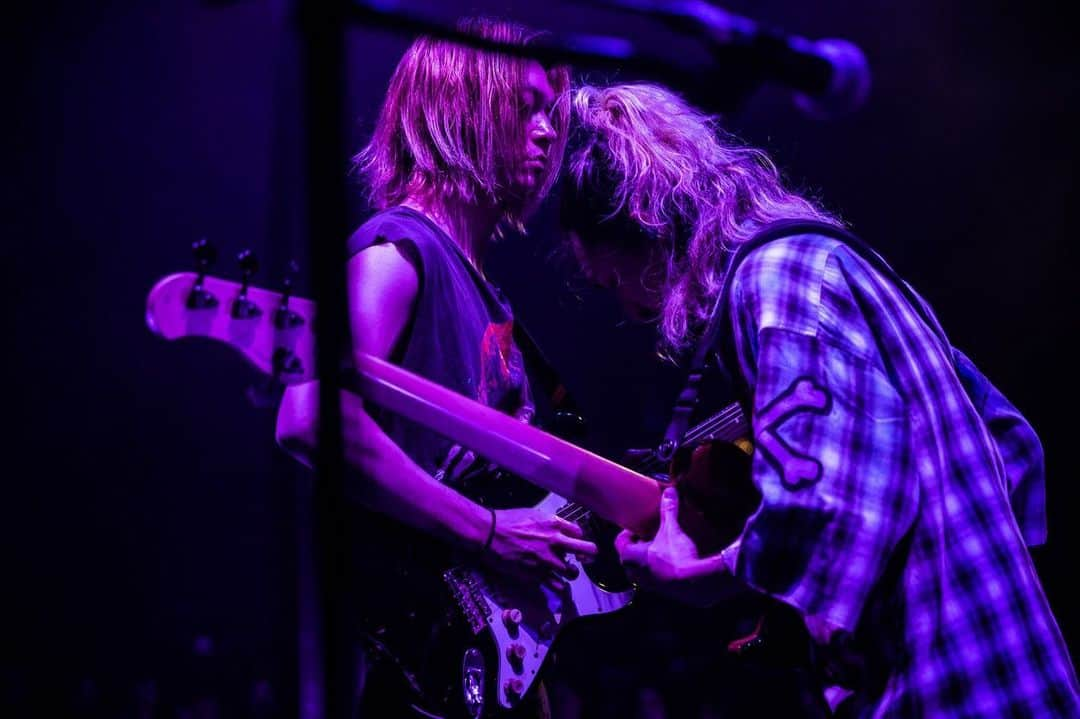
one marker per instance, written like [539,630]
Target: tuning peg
[249,264]
[291,271]
[285,318]
[205,255]
[243,308]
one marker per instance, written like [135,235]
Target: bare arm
[382,289]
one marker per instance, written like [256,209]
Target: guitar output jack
[472,682]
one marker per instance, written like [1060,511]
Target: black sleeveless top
[461,334]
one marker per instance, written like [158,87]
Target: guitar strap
[720,317]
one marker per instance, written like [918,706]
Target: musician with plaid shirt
[900,489]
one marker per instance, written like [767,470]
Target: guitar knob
[515,654]
[514,688]
[511,618]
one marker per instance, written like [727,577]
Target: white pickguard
[543,614]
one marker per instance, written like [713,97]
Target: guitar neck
[275,334]
[612,491]
[727,425]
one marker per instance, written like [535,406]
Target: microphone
[830,77]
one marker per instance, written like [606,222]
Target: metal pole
[323,49]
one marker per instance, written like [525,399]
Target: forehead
[536,79]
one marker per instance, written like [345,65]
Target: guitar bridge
[467,590]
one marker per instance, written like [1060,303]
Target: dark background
[150,520]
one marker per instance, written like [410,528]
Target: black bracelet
[491,533]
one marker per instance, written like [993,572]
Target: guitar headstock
[273,330]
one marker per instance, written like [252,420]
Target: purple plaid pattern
[911,541]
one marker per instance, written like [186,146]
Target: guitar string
[719,422]
[723,420]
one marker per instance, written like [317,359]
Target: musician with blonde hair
[467,143]
[899,490]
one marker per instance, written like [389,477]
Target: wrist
[490,535]
[473,527]
[714,564]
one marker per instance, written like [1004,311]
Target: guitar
[507,629]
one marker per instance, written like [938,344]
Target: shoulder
[393,225]
[791,260]
[383,256]
[780,283]
[383,285]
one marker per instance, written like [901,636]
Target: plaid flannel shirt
[900,490]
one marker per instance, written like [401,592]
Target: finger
[567,527]
[451,455]
[555,584]
[580,547]
[551,562]
[462,464]
[634,553]
[446,467]
[669,508]
[625,537]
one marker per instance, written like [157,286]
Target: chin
[528,185]
[526,199]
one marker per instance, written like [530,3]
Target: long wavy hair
[453,124]
[647,172]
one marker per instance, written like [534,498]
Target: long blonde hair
[647,171]
[452,125]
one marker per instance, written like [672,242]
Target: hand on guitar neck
[670,562]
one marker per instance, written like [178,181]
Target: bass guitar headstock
[272,330]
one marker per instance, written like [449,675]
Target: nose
[543,132]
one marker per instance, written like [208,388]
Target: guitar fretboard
[729,424]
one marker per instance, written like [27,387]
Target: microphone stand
[831,77]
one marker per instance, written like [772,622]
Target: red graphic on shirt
[500,364]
